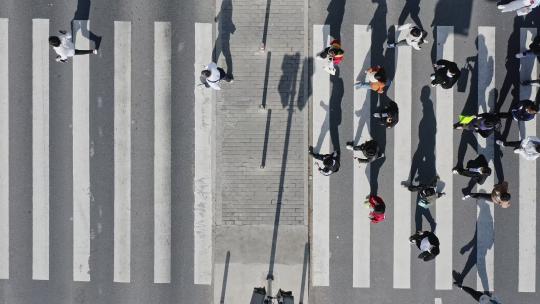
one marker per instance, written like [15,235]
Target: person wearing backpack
[427,193]
[478,170]
[415,37]
[212,75]
[375,80]
[484,123]
[370,149]
[330,162]
[446,74]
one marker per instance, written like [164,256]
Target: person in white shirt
[522,7]
[529,147]
[415,37]
[212,75]
[64,47]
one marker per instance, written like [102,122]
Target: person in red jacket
[377,207]
[333,53]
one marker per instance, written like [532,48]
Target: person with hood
[529,147]
[64,47]
[377,208]
[477,169]
[370,149]
[375,80]
[428,243]
[446,74]
[427,193]
[212,75]
[498,196]
[330,161]
[484,123]
[415,37]
[389,115]
[522,7]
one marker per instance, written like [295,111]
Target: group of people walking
[445,74]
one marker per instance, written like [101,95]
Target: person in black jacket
[427,193]
[330,161]
[446,74]
[389,115]
[477,169]
[370,149]
[428,243]
[484,124]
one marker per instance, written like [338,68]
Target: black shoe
[310,150]
[457,278]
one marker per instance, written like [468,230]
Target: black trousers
[514,144]
[83,52]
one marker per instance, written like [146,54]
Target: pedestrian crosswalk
[43,238]
[401,213]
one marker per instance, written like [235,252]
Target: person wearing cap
[330,161]
[428,243]
[499,195]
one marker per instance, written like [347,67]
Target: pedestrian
[529,147]
[428,243]
[477,169]
[375,80]
[484,123]
[499,195]
[389,115]
[330,161]
[377,208]
[534,49]
[524,110]
[212,75]
[446,74]
[522,7]
[334,54]
[415,37]
[427,193]
[64,47]
[370,149]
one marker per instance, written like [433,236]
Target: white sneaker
[517,151]
[520,55]
[94,52]
[466,197]
[432,77]
[499,142]
[378,115]
[391,45]
[349,147]
[454,171]
[500,6]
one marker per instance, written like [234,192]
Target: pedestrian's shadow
[83,13]
[378,56]
[336,10]
[446,14]
[336,98]
[226,28]
[478,246]
[412,8]
[423,162]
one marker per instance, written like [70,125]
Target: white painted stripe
[444,155]
[4,151]
[122,151]
[162,152]
[527,180]
[486,102]
[361,173]
[402,165]
[81,156]
[321,184]
[202,184]
[438,300]
[40,149]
